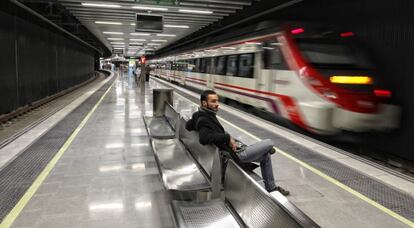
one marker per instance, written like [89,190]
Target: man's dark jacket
[212,132]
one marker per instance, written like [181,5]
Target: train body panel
[270,73]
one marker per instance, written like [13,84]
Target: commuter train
[321,83]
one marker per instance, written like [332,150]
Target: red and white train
[323,85]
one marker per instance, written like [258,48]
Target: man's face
[212,102]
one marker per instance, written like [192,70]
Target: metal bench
[246,204]
[207,157]
[188,169]
[162,127]
[180,173]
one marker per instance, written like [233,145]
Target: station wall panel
[8,82]
[37,60]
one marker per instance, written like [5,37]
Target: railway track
[15,124]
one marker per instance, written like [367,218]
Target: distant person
[212,132]
[147,72]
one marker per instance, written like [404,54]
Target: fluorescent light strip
[136,43]
[137,39]
[159,40]
[231,48]
[140,34]
[108,23]
[114,33]
[112,38]
[133,24]
[166,35]
[153,44]
[195,11]
[255,43]
[176,26]
[101,5]
[150,8]
[117,42]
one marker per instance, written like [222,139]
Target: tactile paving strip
[17,176]
[389,197]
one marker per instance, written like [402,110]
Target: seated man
[212,132]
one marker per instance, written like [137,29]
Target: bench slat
[158,127]
[179,171]
[255,206]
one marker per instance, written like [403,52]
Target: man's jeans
[259,152]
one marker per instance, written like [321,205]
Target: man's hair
[205,94]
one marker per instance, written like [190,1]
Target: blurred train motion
[320,81]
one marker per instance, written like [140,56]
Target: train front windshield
[337,57]
[333,54]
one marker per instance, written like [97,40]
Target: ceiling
[112,21]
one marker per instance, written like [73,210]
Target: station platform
[91,165]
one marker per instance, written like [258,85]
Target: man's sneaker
[281,190]
[272,151]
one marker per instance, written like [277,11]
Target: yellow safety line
[328,178]
[8,221]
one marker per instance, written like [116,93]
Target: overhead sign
[149,23]
[117,51]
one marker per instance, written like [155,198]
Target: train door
[262,78]
[206,63]
[276,68]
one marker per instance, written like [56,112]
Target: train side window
[203,65]
[197,65]
[191,65]
[232,65]
[209,69]
[220,65]
[273,58]
[246,64]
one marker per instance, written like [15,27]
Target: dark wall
[392,44]
[37,60]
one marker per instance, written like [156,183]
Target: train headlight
[360,80]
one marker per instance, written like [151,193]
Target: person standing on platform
[147,72]
[212,132]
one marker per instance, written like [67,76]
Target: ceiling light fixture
[231,48]
[140,34]
[195,11]
[149,8]
[112,38]
[166,35]
[108,23]
[176,26]
[101,5]
[114,33]
[255,43]
[137,39]
[159,40]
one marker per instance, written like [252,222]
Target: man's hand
[233,144]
